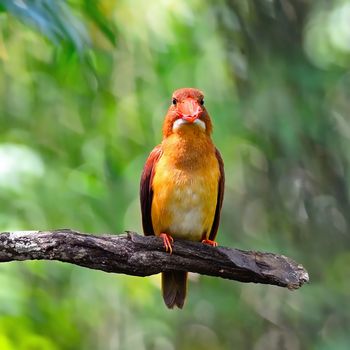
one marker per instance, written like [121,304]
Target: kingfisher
[182,185]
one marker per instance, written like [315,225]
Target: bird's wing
[221,184]
[146,192]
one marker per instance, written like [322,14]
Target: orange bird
[182,184]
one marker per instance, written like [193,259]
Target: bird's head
[187,112]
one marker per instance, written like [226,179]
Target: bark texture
[133,254]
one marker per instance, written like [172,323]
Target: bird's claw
[167,241]
[210,242]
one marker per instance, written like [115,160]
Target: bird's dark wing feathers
[214,228]
[146,192]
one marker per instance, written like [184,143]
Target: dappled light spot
[18,165]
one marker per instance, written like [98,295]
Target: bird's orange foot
[209,242]
[167,241]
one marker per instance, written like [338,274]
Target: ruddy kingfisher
[182,184]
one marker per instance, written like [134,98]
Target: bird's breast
[185,197]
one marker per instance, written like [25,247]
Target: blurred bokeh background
[84,87]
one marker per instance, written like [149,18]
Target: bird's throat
[188,148]
[180,123]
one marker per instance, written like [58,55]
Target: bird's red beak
[189,110]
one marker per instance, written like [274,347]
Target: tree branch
[137,255]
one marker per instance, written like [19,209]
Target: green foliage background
[84,86]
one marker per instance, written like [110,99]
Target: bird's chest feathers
[185,187]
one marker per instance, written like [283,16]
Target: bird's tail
[174,286]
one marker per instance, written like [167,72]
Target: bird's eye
[174,101]
[202,101]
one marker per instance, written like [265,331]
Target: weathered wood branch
[137,255]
